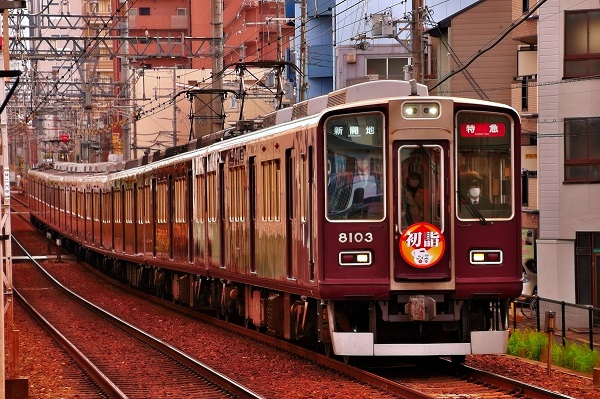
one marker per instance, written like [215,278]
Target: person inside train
[472,184]
[414,199]
[365,179]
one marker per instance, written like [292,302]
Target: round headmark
[422,245]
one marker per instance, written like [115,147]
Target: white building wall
[564,208]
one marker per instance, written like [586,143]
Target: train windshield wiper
[472,210]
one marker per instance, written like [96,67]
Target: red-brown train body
[278,227]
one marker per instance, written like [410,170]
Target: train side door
[421,211]
[298,226]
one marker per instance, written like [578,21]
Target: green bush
[528,344]
[533,344]
[575,356]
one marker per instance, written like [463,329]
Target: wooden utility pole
[417,39]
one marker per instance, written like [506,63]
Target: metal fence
[571,321]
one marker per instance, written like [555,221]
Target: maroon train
[347,218]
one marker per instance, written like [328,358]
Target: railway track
[146,366]
[445,382]
[441,378]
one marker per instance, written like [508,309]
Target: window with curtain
[582,47]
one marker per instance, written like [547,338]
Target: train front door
[421,218]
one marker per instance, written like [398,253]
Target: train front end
[422,227]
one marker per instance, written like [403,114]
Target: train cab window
[420,198]
[484,166]
[355,172]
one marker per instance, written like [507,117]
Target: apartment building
[568,246]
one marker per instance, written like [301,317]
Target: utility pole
[6,303]
[417,39]
[126,90]
[174,107]
[217,67]
[303,83]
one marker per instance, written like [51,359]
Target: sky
[353,16]
[443,8]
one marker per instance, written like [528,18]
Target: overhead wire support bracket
[9,74]
[242,67]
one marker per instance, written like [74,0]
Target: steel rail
[178,356]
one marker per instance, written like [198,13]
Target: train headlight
[485,256]
[432,110]
[355,258]
[420,110]
[410,110]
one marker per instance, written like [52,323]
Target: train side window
[484,165]
[106,215]
[180,208]
[235,194]
[148,203]
[73,200]
[96,205]
[88,205]
[129,205]
[240,188]
[211,196]
[68,200]
[140,209]
[80,203]
[161,199]
[62,197]
[199,216]
[271,184]
[117,205]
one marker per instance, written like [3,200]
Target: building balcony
[162,23]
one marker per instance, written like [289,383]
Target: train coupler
[420,308]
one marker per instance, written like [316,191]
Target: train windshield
[485,175]
[355,167]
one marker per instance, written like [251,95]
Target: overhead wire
[490,44]
[80,58]
[471,59]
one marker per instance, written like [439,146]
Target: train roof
[299,115]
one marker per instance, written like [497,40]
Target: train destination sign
[422,245]
[482,130]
